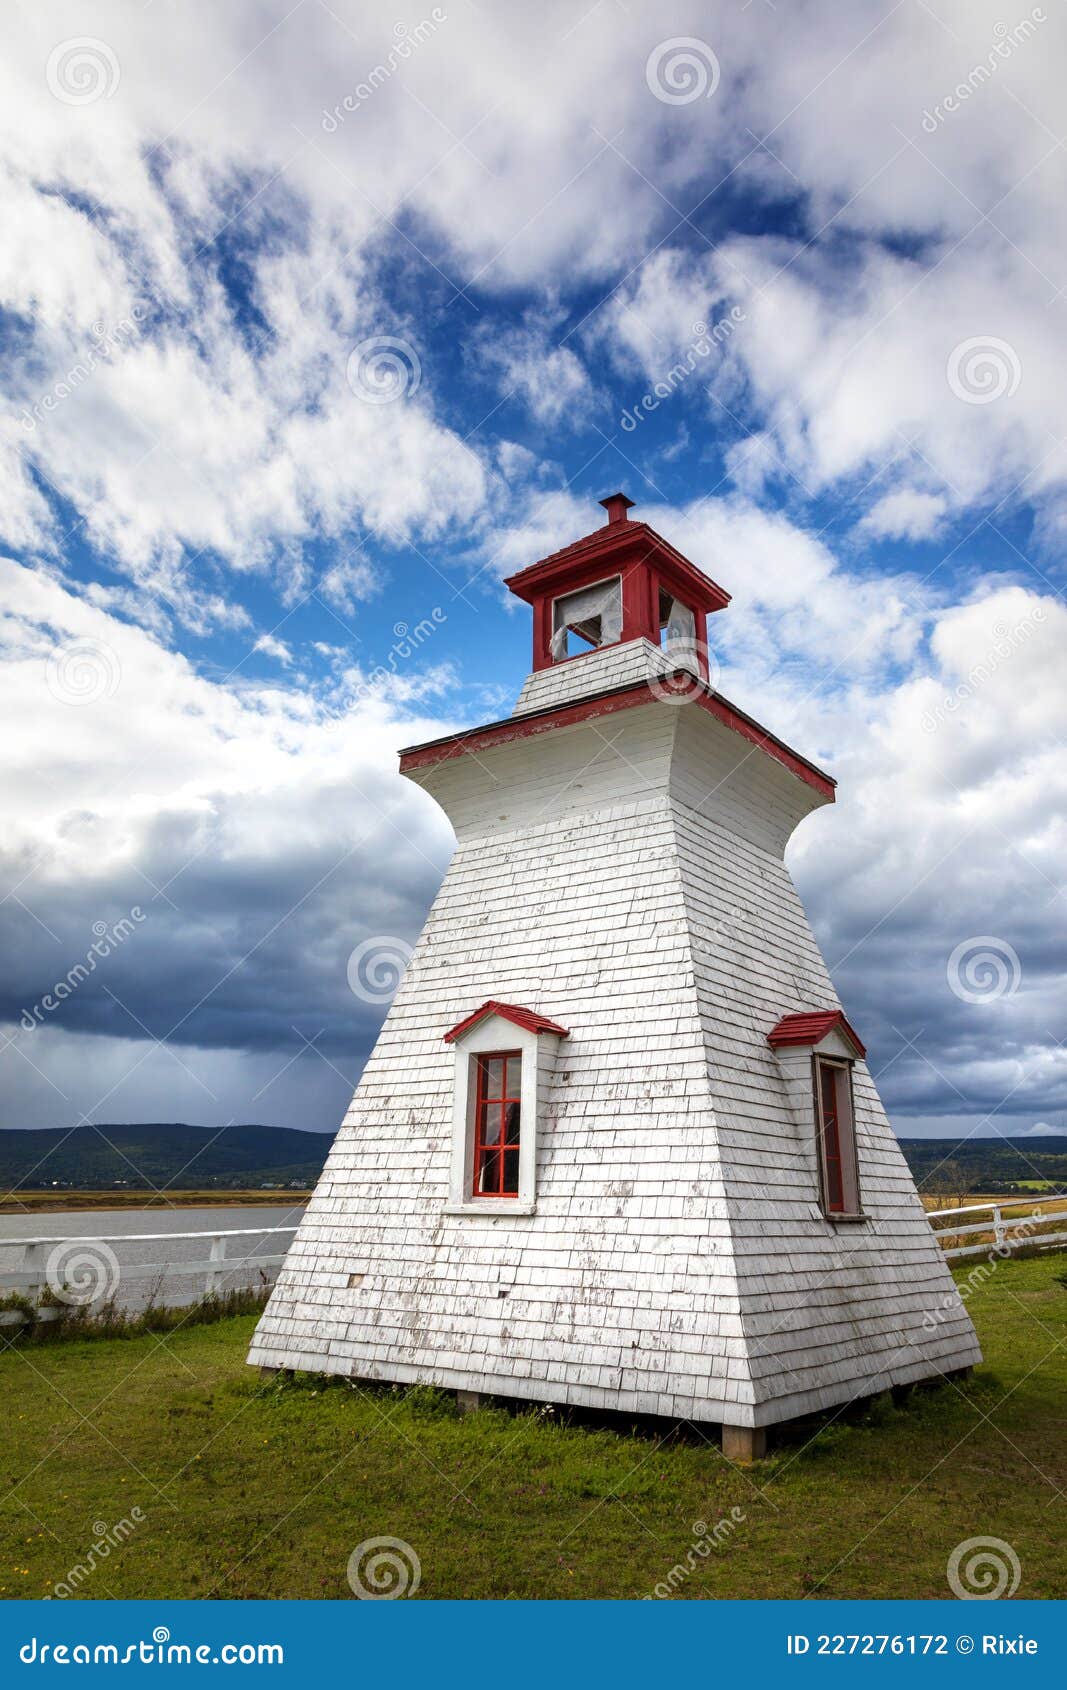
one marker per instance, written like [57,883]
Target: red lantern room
[622,582]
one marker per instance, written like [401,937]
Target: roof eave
[549,717]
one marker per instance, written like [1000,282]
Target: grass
[257,1489]
[63,1321]
[22,1202]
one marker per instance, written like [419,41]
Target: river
[114,1260]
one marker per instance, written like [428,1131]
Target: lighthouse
[617,1145]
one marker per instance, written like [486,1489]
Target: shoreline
[72,1202]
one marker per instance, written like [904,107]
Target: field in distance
[33,1202]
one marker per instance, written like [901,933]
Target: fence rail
[1007,1233]
[37,1274]
[33,1278]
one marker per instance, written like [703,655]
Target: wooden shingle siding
[626,878]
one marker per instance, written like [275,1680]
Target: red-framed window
[831,1125]
[497,1119]
[837,1137]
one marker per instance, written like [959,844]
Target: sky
[319,319]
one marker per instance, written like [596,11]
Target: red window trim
[838,1160]
[830,1130]
[488,1153]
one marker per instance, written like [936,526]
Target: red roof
[527,1018]
[619,545]
[811,1026]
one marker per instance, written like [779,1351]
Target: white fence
[1008,1234]
[81,1271]
[93,1263]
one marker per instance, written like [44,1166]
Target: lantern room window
[677,629]
[497,1123]
[586,620]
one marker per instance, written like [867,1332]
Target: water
[122,1265]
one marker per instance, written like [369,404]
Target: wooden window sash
[493,1155]
[835,1124]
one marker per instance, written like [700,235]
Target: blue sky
[283,386]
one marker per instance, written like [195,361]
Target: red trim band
[606,704]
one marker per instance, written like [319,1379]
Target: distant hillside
[989,1165]
[159,1154]
[202,1158]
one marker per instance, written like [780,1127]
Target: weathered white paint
[623,876]
[594,671]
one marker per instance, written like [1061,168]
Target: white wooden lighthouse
[617,1144]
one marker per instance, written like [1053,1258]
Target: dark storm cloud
[228,953]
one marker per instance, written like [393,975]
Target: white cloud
[908,514]
[270,646]
[550,379]
[262,832]
[791,595]
[350,579]
[529,152]
[518,155]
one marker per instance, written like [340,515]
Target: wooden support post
[744,1444]
[468,1401]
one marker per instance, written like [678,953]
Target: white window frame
[538,1052]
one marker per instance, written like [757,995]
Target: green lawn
[252,1490]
